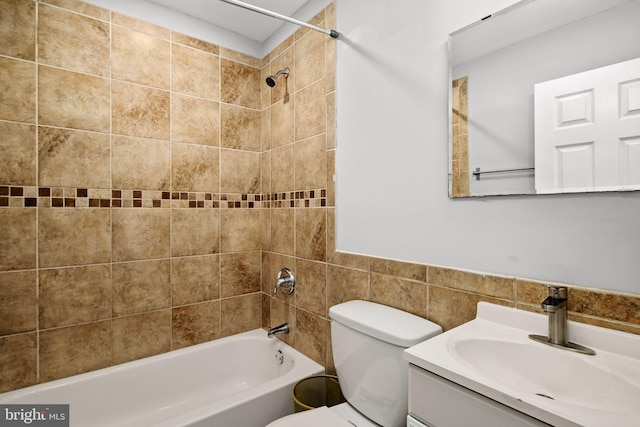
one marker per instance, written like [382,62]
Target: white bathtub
[231,382]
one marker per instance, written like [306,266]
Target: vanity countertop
[493,356]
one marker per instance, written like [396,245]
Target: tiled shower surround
[152,185]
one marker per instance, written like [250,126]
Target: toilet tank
[368,340]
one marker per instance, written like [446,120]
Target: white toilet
[368,340]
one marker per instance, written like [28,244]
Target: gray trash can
[316,391]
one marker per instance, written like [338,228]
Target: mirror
[525,112]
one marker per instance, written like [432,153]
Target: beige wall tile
[140,111]
[140,163]
[140,58]
[450,308]
[266,229]
[69,158]
[195,43]
[345,284]
[194,72]
[17,239]
[240,57]
[17,90]
[311,289]
[142,335]
[139,25]
[500,287]
[282,122]
[310,111]
[70,296]
[195,279]
[140,234]
[311,234]
[195,120]
[624,308]
[402,269]
[141,286]
[240,230]
[73,41]
[195,324]
[402,294]
[239,84]
[17,154]
[331,173]
[309,59]
[282,169]
[311,163]
[265,172]
[195,232]
[240,172]
[265,129]
[195,168]
[18,310]
[73,237]
[265,90]
[311,333]
[240,314]
[344,259]
[18,29]
[73,100]
[331,120]
[282,231]
[74,350]
[240,273]
[19,361]
[81,7]
[240,128]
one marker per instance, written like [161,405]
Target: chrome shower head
[271,80]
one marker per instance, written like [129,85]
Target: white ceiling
[252,25]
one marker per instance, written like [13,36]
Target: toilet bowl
[368,340]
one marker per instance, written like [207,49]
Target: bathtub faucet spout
[282,329]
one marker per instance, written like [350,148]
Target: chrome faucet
[286,280]
[281,329]
[556,307]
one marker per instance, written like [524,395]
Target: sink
[549,373]
[492,355]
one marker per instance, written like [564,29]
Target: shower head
[271,80]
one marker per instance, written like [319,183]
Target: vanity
[488,372]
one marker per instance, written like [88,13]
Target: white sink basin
[547,372]
[493,356]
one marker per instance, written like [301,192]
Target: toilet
[368,340]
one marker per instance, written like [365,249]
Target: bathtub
[237,381]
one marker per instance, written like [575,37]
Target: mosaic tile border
[59,197]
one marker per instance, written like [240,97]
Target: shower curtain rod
[332,33]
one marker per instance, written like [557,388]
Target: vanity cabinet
[438,402]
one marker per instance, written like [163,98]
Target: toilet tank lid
[384,323]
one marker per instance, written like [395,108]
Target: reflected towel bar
[478,172]
[332,33]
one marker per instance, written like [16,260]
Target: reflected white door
[587,130]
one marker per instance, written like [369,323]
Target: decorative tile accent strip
[57,197]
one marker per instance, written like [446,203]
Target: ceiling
[252,25]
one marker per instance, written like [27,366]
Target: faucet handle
[558,292]
[556,300]
[286,279]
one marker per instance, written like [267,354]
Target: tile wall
[130,199]
[152,185]
[459,138]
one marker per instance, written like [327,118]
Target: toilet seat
[320,417]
